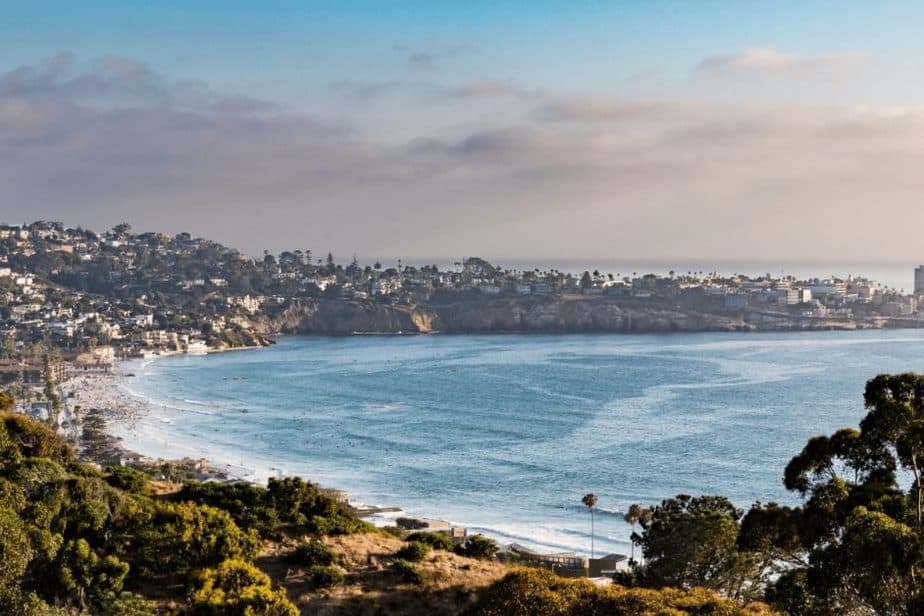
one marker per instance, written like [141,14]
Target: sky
[656,130]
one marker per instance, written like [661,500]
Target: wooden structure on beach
[566,564]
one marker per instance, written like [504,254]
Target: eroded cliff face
[338,317]
[574,315]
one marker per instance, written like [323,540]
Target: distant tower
[919,279]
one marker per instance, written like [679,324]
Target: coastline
[126,427]
[114,415]
[139,424]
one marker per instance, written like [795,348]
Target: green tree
[895,419]
[86,578]
[691,542]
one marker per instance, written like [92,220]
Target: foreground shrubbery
[437,541]
[237,587]
[536,592]
[311,553]
[289,504]
[75,539]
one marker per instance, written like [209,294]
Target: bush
[310,553]
[237,587]
[478,546]
[338,524]
[324,576]
[413,551]
[536,592]
[172,538]
[410,523]
[35,439]
[408,571]
[437,541]
[128,479]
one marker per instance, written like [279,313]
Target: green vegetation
[311,553]
[537,592]
[437,541]
[413,551]
[236,587]
[128,479]
[81,541]
[408,571]
[478,546]
[285,505]
[325,576]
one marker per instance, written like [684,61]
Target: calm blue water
[506,433]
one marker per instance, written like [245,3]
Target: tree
[7,401]
[855,544]
[590,501]
[896,420]
[692,541]
[586,280]
[635,514]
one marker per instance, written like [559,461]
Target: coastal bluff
[517,314]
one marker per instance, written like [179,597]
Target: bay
[505,433]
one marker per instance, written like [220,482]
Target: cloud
[587,177]
[491,88]
[112,81]
[767,61]
[421,59]
[428,56]
[615,110]
[366,91]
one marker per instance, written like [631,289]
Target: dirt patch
[449,583]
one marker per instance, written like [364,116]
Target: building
[919,279]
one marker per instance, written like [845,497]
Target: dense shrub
[285,504]
[413,551]
[248,504]
[324,576]
[178,537]
[408,571]
[478,546]
[236,587]
[128,479]
[34,439]
[310,553]
[437,541]
[536,592]
[87,579]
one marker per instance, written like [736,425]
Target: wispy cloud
[366,91]
[427,57]
[491,88]
[768,61]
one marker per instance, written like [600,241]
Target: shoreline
[116,418]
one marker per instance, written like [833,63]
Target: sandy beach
[125,425]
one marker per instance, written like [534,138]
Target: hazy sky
[645,130]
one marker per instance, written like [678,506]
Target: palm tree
[590,501]
[633,516]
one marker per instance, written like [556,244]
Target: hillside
[78,540]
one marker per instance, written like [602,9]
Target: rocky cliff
[575,315]
[552,314]
[338,317]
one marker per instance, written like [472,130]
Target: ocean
[505,433]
